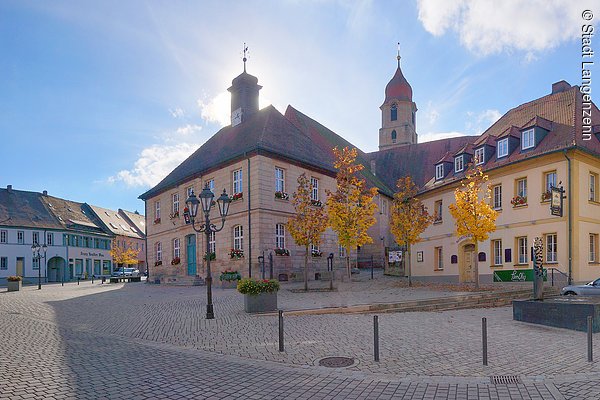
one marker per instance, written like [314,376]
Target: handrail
[552,269]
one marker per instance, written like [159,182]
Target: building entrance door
[191,254]
[20,265]
[467,274]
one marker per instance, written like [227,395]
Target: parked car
[126,272]
[589,289]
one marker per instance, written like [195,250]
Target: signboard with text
[516,275]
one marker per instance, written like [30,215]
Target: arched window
[394,136]
[394,112]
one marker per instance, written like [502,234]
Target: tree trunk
[306,269]
[348,271]
[476,265]
[408,266]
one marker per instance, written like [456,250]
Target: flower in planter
[518,201]
[230,276]
[282,195]
[236,253]
[316,203]
[212,255]
[237,196]
[282,252]
[316,253]
[174,215]
[546,195]
[255,287]
[157,263]
[14,278]
[157,221]
[175,261]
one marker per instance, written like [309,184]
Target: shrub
[230,276]
[14,278]
[255,287]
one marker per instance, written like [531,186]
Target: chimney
[373,167]
[45,193]
[560,86]
[9,188]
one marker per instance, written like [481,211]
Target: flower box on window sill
[546,196]
[316,253]
[175,261]
[519,201]
[157,263]
[437,221]
[282,252]
[282,196]
[174,215]
[212,256]
[237,196]
[157,221]
[316,203]
[236,254]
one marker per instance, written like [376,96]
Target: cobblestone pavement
[81,341]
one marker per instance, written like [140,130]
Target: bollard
[281,348]
[92,279]
[484,339]
[371,266]
[589,338]
[78,281]
[376,337]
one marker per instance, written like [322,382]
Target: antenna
[245,50]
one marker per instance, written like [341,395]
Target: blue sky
[100,100]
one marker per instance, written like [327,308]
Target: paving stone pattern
[144,341]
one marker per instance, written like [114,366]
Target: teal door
[191,254]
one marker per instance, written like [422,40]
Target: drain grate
[505,379]
[336,362]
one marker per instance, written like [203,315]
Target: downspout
[249,226]
[146,238]
[570,217]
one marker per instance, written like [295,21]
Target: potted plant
[229,279]
[157,220]
[282,252]
[518,201]
[237,196]
[236,253]
[546,195]
[282,195]
[14,283]
[259,295]
[316,203]
[316,253]
[157,263]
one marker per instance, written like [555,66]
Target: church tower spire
[244,94]
[398,112]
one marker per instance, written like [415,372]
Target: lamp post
[37,251]
[206,199]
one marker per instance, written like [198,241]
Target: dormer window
[503,147]
[394,112]
[527,139]
[479,156]
[459,164]
[394,135]
[439,171]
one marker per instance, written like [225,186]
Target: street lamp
[37,251]
[206,200]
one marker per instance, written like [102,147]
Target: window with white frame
[280,236]
[522,250]
[35,237]
[158,251]
[238,237]
[502,148]
[459,164]
[383,206]
[480,156]
[497,197]
[550,180]
[551,248]
[279,179]
[314,249]
[497,250]
[211,183]
[175,208]
[189,191]
[527,139]
[439,258]
[212,242]
[3,263]
[593,194]
[35,263]
[237,181]
[157,211]
[341,251]
[20,237]
[176,248]
[50,239]
[314,195]
[522,187]
[593,255]
[439,171]
[438,208]
[3,236]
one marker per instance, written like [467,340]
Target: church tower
[398,113]
[244,95]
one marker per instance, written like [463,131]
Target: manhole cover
[505,380]
[336,362]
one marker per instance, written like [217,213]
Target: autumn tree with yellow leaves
[308,223]
[351,208]
[125,254]
[473,215]
[409,218]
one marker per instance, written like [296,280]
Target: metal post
[92,279]
[270,265]
[552,277]
[371,266]
[78,280]
[376,337]
[330,268]
[484,340]
[590,322]
[210,313]
[281,345]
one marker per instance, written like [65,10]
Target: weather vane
[245,58]
[398,56]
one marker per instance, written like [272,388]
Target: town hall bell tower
[398,113]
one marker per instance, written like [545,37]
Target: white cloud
[477,123]
[431,136]
[491,26]
[217,109]
[188,129]
[177,112]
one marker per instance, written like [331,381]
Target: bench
[117,279]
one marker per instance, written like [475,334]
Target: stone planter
[263,302]
[14,286]
[229,284]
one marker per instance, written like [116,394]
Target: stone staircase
[181,281]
